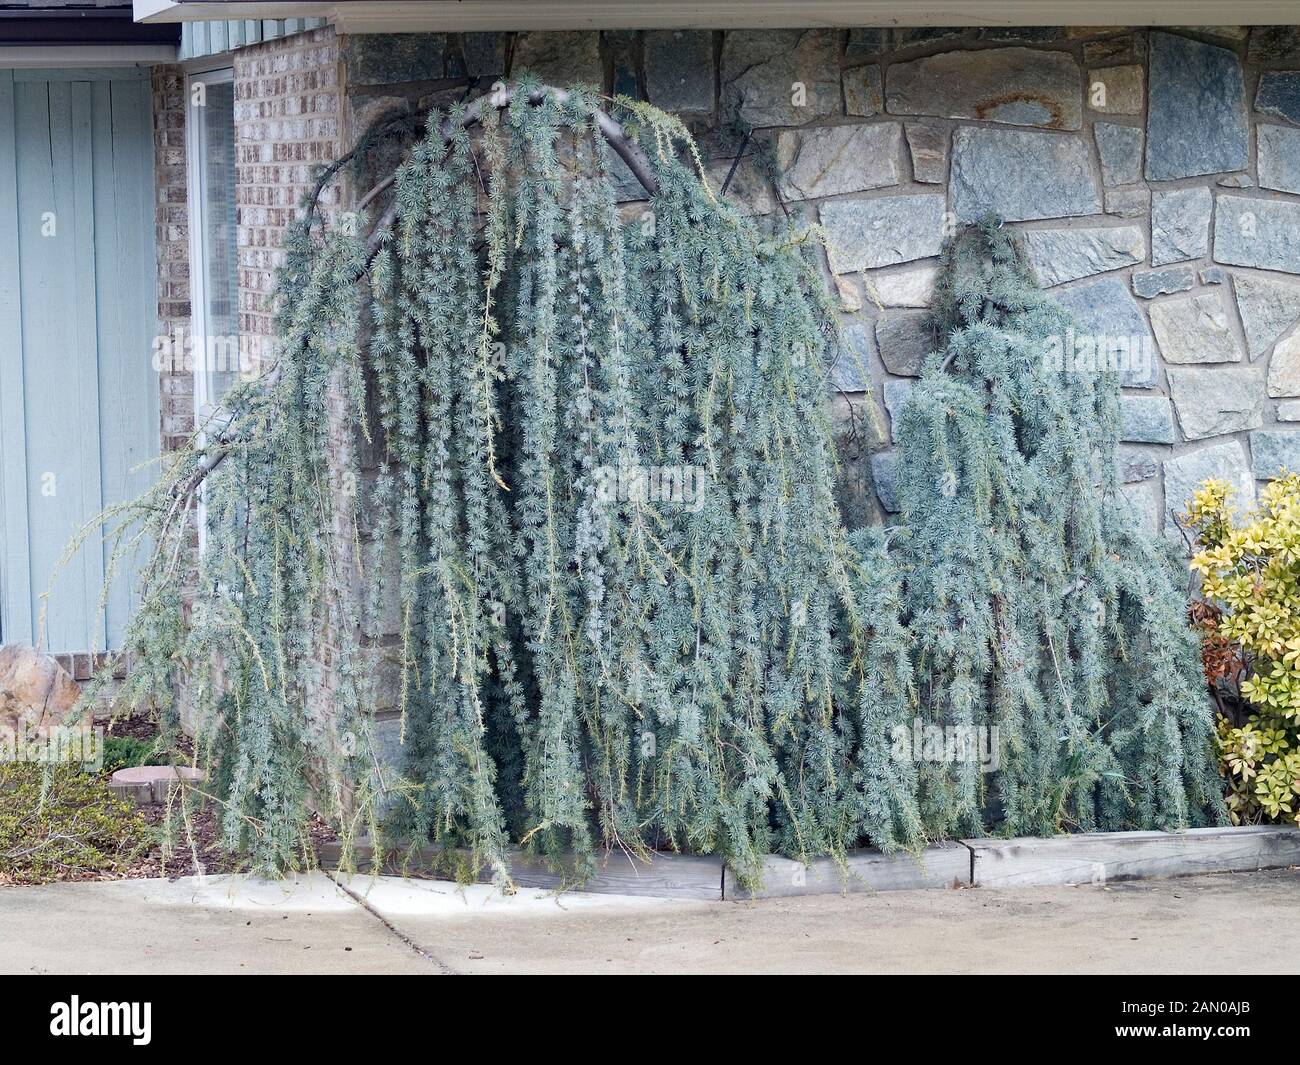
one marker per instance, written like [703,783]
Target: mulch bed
[204,838]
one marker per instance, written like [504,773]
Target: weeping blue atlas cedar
[575,526]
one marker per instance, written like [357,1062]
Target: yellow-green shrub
[1250,577]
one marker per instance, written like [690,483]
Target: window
[214,292]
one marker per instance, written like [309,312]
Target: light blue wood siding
[200,39]
[78,391]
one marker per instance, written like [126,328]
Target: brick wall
[286,122]
[171,223]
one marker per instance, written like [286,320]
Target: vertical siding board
[84,365]
[43,122]
[125,268]
[15,554]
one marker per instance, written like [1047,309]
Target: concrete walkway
[1210,924]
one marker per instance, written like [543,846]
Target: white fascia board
[215,11]
[414,16]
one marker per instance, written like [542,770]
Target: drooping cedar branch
[500,97]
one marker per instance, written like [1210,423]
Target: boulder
[35,691]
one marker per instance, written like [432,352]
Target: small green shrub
[124,752]
[57,822]
[1249,567]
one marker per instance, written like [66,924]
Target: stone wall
[1155,174]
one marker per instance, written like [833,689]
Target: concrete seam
[360,900]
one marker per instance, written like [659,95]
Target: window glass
[214,288]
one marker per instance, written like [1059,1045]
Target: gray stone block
[485,53]
[904,340]
[865,234]
[1020,175]
[1271,43]
[883,467]
[1108,314]
[563,58]
[1151,283]
[1279,94]
[781,77]
[1278,155]
[1268,308]
[851,371]
[929,148]
[1194,330]
[387,59]
[1196,114]
[1145,505]
[863,95]
[912,286]
[1135,466]
[865,44]
[1146,420]
[1131,202]
[1060,255]
[1120,151]
[1217,401]
[679,69]
[1115,90]
[895,395]
[1274,450]
[1185,473]
[1284,368]
[833,160]
[1018,86]
[1180,225]
[1260,233]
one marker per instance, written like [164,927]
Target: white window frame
[199,323]
[194,171]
